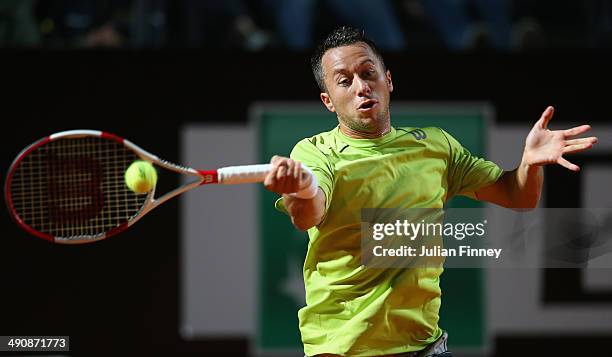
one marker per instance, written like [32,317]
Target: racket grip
[243,174]
[257,173]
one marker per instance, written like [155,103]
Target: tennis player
[365,162]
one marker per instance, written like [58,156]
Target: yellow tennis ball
[141,176]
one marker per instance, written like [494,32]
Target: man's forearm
[525,186]
[519,188]
[305,213]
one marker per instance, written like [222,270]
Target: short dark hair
[341,36]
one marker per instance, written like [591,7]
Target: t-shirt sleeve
[467,173]
[307,153]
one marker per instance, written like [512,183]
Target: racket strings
[75,187]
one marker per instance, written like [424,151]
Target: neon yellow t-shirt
[353,310]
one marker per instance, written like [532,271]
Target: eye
[344,82]
[370,73]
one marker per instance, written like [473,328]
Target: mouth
[367,105]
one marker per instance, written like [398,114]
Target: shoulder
[324,143]
[420,132]
[432,136]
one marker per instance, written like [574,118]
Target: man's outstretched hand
[522,187]
[544,146]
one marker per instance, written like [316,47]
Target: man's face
[357,88]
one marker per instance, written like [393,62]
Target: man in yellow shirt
[365,162]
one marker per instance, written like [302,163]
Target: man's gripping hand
[287,177]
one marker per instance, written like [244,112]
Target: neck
[357,134]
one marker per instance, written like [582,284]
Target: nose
[362,87]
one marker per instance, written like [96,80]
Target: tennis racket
[69,187]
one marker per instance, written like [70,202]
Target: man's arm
[522,187]
[519,188]
[284,178]
[305,213]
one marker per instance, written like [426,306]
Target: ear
[325,98]
[389,81]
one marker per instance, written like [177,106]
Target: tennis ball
[141,176]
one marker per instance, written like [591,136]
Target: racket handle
[243,174]
[257,173]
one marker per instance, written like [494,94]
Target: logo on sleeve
[418,134]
